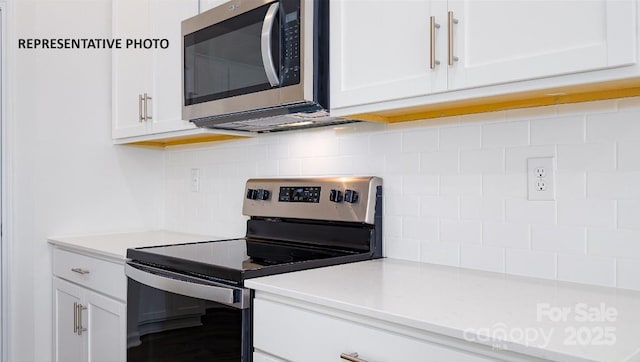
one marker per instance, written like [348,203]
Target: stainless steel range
[187,302]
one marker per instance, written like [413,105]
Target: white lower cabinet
[303,333]
[88,325]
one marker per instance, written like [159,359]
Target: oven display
[299,194]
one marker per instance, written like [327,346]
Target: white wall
[67,176]
[455,188]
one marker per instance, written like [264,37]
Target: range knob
[350,196]
[252,194]
[263,194]
[335,196]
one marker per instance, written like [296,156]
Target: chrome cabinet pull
[80,271]
[432,36]
[147,117]
[80,327]
[140,101]
[452,20]
[75,318]
[353,357]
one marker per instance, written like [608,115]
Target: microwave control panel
[290,25]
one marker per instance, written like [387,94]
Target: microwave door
[235,57]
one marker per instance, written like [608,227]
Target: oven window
[225,59]
[163,326]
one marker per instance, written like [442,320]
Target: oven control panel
[332,198]
[299,194]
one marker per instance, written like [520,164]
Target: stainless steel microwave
[257,65]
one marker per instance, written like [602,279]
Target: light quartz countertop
[115,245]
[541,318]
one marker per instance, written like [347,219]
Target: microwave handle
[265,45]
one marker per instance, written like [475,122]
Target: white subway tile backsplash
[482,161]
[587,157]
[482,258]
[460,231]
[461,185]
[562,239]
[407,249]
[353,145]
[571,185]
[591,213]
[439,162]
[400,205]
[516,157]
[422,228]
[505,186]
[628,155]
[482,208]
[587,269]
[391,227]
[382,143]
[440,206]
[612,242]
[505,235]
[505,134]
[619,185]
[420,184]
[620,126]
[533,212]
[289,167]
[460,137]
[531,263]
[627,273]
[455,189]
[629,214]
[403,163]
[420,140]
[561,130]
[440,253]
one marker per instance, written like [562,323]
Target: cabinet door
[131,67]
[67,345]
[106,328]
[503,41]
[166,105]
[380,50]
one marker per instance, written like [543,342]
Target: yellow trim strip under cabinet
[571,94]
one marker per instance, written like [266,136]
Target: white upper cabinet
[380,50]
[504,41]
[385,52]
[147,81]
[210,4]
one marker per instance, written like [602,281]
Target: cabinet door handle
[80,271]
[140,101]
[75,318]
[432,48]
[81,329]
[147,117]
[452,20]
[352,357]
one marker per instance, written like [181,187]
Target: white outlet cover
[536,167]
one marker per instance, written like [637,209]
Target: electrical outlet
[541,178]
[195,180]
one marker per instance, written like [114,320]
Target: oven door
[173,317]
[242,56]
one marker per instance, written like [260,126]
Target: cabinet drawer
[299,334]
[97,274]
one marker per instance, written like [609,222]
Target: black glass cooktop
[237,259]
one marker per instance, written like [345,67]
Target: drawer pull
[353,357]
[80,271]
[75,318]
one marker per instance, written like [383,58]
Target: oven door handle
[265,45]
[190,287]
